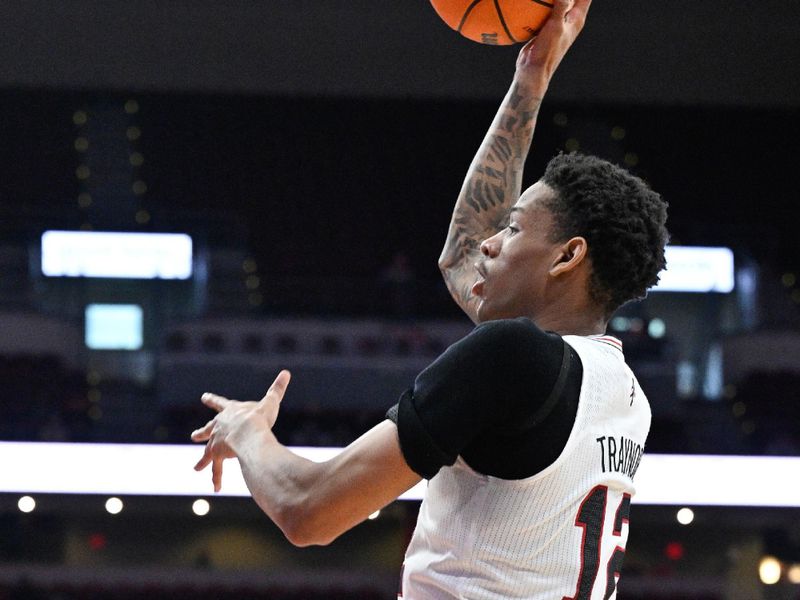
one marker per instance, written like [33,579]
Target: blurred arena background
[312,152]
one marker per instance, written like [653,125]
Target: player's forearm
[280,482]
[313,503]
[493,182]
[494,178]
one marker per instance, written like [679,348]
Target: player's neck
[566,320]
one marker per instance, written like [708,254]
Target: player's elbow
[305,525]
[446,263]
[303,538]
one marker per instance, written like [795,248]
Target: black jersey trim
[555,394]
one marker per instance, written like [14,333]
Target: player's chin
[496,312]
[480,312]
[485,312]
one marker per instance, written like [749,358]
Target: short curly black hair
[622,219]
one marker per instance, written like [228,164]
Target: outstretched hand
[234,422]
[540,57]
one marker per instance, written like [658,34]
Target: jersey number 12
[591,516]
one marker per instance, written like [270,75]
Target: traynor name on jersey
[620,455]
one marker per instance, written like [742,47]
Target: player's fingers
[204,460]
[216,474]
[203,433]
[278,387]
[218,403]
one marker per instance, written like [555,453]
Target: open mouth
[477,287]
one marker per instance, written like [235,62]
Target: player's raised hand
[235,422]
[271,402]
[540,57]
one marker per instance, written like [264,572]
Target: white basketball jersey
[559,534]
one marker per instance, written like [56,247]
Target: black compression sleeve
[485,383]
[420,450]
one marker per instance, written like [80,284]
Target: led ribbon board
[166,470]
[116,254]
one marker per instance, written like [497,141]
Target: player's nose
[491,246]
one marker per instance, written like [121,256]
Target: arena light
[769,570]
[201,507]
[115,254]
[26,504]
[114,505]
[166,470]
[793,574]
[685,516]
[697,269]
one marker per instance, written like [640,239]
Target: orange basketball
[494,21]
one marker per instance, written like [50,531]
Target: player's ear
[569,256]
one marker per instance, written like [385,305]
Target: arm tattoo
[492,186]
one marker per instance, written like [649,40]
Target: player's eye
[511,229]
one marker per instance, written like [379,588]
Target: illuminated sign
[697,269]
[113,327]
[116,254]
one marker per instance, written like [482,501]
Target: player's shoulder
[520,326]
[518,333]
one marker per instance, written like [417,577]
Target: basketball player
[531,428]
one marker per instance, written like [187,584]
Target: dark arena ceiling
[712,52]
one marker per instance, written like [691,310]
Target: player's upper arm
[366,476]
[484,382]
[459,278]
